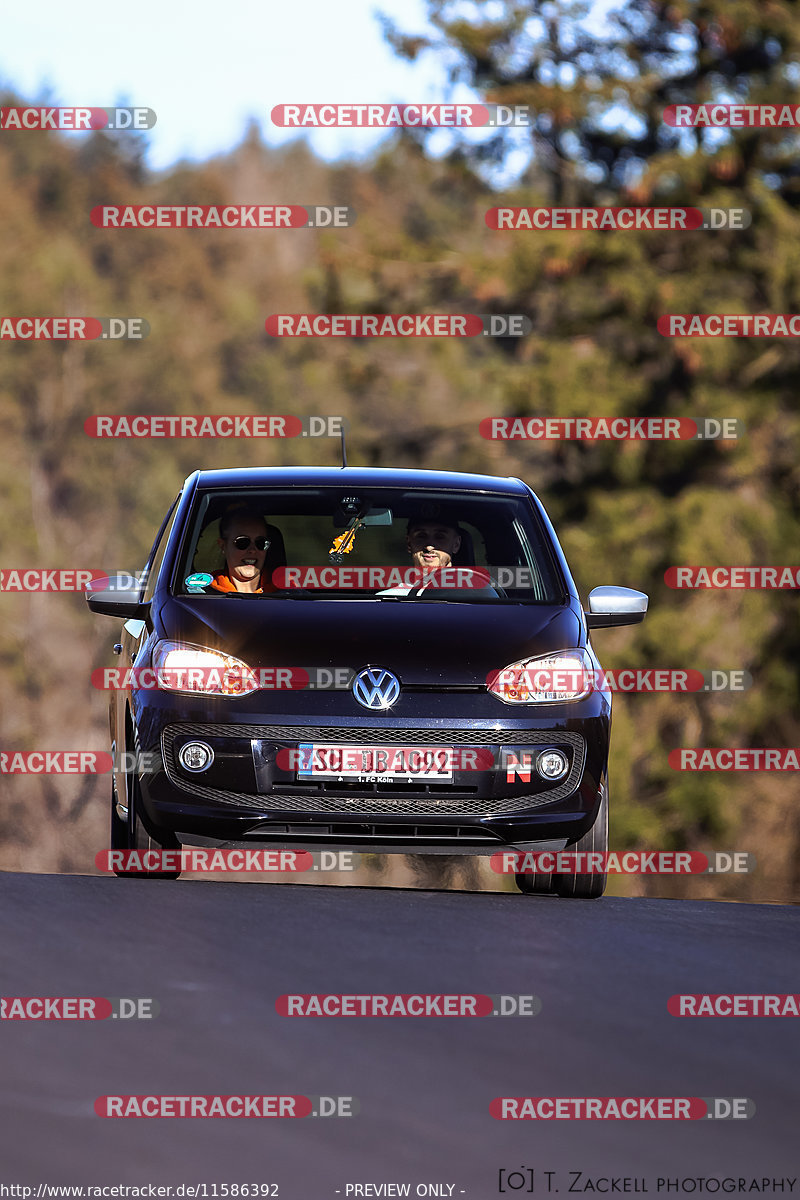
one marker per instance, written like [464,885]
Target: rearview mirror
[378,516]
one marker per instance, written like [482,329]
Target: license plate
[376,764]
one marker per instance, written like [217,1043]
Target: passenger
[244,542]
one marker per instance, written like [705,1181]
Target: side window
[157,553]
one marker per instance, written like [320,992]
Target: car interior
[489,534]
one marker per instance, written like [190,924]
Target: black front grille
[376,734]
[324,787]
[387,833]
[375,799]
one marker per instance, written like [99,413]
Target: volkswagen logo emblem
[376,688]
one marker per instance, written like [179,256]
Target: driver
[244,542]
[432,544]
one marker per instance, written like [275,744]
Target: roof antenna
[344,448]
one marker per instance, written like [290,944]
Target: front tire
[580,886]
[128,833]
[535,883]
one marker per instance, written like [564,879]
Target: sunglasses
[243,542]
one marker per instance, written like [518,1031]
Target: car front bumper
[246,797]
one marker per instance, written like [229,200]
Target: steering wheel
[499,591]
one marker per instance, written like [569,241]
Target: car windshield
[386,544]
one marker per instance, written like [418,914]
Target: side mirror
[610,606]
[119,597]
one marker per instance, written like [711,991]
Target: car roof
[360,477]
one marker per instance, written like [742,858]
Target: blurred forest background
[624,511]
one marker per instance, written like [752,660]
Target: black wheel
[128,832]
[535,883]
[579,886]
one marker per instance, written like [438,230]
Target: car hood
[422,642]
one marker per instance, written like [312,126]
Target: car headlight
[183,667]
[549,679]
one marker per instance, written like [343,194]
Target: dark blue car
[372,659]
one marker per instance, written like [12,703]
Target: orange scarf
[222,582]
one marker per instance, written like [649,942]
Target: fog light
[195,756]
[552,764]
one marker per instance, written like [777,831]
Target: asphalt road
[216,956]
